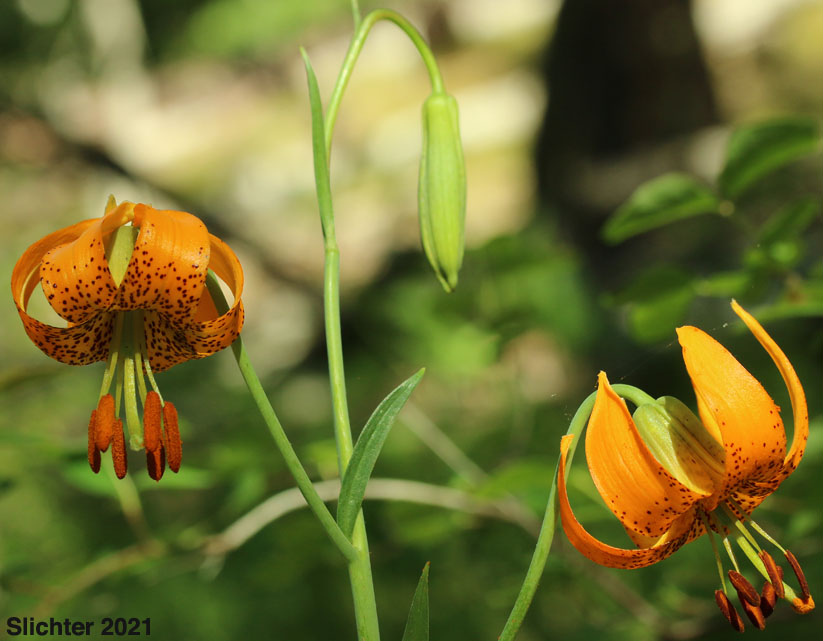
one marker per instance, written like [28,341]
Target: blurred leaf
[658,300]
[189,478]
[367,449]
[724,284]
[659,202]
[527,479]
[790,221]
[755,150]
[233,28]
[80,476]
[417,625]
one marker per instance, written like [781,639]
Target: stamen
[803,606]
[730,552]
[768,597]
[156,463]
[775,573]
[118,450]
[714,549]
[754,614]
[173,444]
[728,610]
[745,590]
[94,453]
[104,422]
[151,422]
[801,578]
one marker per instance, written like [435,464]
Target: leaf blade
[760,148]
[366,451]
[417,625]
[658,202]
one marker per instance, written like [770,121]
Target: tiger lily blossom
[131,286]
[670,477]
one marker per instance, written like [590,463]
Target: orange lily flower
[132,287]
[671,477]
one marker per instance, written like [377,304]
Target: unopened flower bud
[442,188]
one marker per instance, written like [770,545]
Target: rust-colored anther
[151,422]
[118,450]
[173,444]
[801,578]
[156,463]
[728,610]
[774,572]
[768,597]
[94,453]
[104,422]
[754,613]
[803,606]
[745,590]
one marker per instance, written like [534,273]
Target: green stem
[302,479]
[365,606]
[548,527]
[359,39]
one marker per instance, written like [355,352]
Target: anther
[768,597]
[104,422]
[801,579]
[754,613]
[774,572]
[156,463]
[728,610]
[118,450]
[151,422]
[173,444]
[745,590]
[803,606]
[94,453]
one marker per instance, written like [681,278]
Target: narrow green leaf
[417,625]
[366,451]
[659,202]
[790,222]
[318,139]
[755,150]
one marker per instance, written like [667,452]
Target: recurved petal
[167,270]
[608,555]
[75,276]
[800,410]
[170,342]
[633,484]
[76,345]
[732,402]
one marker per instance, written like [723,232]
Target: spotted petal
[170,342]
[634,485]
[603,554]
[733,404]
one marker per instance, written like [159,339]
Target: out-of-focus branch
[379,489]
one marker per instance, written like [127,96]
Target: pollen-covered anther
[728,610]
[805,595]
[156,463]
[151,422]
[118,450]
[172,442]
[104,422]
[775,573]
[754,613]
[94,453]
[745,590]
[768,597]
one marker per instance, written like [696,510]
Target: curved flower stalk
[670,477]
[131,286]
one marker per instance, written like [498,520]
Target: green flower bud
[681,443]
[442,188]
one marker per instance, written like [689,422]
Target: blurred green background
[566,108]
